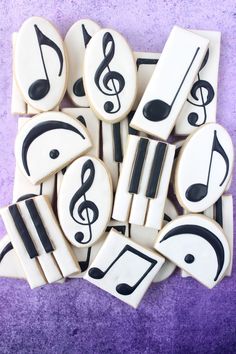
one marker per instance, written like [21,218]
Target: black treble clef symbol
[117,80]
[40,88]
[87,206]
[200,85]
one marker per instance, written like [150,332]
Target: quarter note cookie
[10,266]
[40,65]
[76,41]
[198,245]
[124,268]
[49,142]
[200,107]
[143,184]
[204,167]
[110,77]
[170,83]
[85,201]
[38,241]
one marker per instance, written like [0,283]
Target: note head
[39,89]
[79,236]
[96,273]
[196,192]
[78,88]
[124,289]
[156,110]
[193,118]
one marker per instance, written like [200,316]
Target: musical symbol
[200,84]
[113,77]
[124,288]
[5,250]
[84,264]
[40,88]
[88,206]
[145,61]
[198,191]
[158,110]
[78,87]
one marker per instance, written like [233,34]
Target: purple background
[176,316]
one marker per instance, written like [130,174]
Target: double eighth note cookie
[38,241]
[143,184]
[49,142]
[40,66]
[124,268]
[170,83]
[197,245]
[204,167]
[85,201]
[110,77]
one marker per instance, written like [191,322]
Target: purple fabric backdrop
[176,316]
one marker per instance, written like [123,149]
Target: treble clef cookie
[110,75]
[40,66]
[85,201]
[47,143]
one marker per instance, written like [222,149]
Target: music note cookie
[76,41]
[47,143]
[124,268]
[85,201]
[200,107]
[38,241]
[143,184]
[170,83]
[204,167]
[110,77]
[198,245]
[40,65]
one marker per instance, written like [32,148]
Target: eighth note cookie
[47,143]
[124,268]
[40,66]
[204,167]
[110,77]
[196,244]
[85,201]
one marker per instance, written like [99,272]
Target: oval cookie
[40,65]
[47,143]
[85,201]
[76,41]
[196,244]
[204,167]
[110,75]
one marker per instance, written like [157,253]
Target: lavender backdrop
[177,316]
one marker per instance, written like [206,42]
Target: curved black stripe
[5,250]
[206,235]
[40,129]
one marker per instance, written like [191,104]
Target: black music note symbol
[88,206]
[78,87]
[124,288]
[199,85]
[117,80]
[40,88]
[85,264]
[198,191]
[158,110]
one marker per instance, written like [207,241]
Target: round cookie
[85,201]
[40,64]
[110,76]
[204,167]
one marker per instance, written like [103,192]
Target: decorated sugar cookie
[170,83]
[85,201]
[204,167]
[143,184]
[76,41]
[48,143]
[40,65]
[110,76]
[200,107]
[111,270]
[38,241]
[198,245]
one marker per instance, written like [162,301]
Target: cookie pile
[92,180]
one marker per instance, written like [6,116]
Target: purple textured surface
[176,316]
